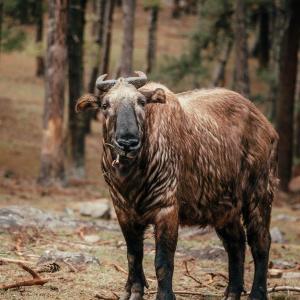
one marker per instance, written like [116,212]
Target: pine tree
[77,122]
[53,146]
[128,37]
[286,92]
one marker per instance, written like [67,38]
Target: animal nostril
[127,143]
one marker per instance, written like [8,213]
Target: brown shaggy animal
[203,157]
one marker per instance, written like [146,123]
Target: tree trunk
[241,84]
[108,22]
[1,22]
[176,9]
[152,40]
[99,28]
[286,93]
[53,146]
[264,42]
[24,15]
[278,22]
[128,37]
[297,121]
[297,138]
[219,72]
[40,67]
[77,122]
[95,4]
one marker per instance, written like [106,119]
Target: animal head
[123,106]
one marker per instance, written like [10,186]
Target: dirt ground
[21,106]
[202,252]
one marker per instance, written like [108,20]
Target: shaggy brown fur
[208,157]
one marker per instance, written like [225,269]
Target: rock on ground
[25,216]
[96,209]
[18,217]
[277,235]
[71,257]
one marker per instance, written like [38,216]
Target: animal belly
[216,213]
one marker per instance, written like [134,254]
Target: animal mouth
[123,155]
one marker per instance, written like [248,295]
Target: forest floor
[100,241]
[21,109]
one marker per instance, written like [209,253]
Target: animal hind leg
[234,241]
[259,240]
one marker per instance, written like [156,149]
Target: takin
[202,157]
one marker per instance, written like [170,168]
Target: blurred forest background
[54,204]
[52,52]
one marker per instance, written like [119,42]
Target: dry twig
[120,269]
[14,261]
[188,274]
[70,266]
[36,279]
[284,288]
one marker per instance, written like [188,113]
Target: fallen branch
[36,280]
[14,261]
[276,289]
[284,288]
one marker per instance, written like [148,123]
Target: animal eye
[142,101]
[104,105]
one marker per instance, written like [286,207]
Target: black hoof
[131,296]
[258,295]
[125,296]
[169,296]
[232,296]
[136,296]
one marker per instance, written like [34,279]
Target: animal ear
[156,96]
[87,101]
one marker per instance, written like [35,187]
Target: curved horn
[104,85]
[138,81]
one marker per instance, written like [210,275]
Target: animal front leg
[134,234]
[234,241]
[166,234]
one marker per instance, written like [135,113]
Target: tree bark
[99,29]
[77,122]
[128,37]
[176,9]
[297,138]
[241,83]
[286,93]
[152,39]
[219,72]
[297,121]
[53,146]
[108,22]
[40,66]
[278,22]
[264,42]
[1,22]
